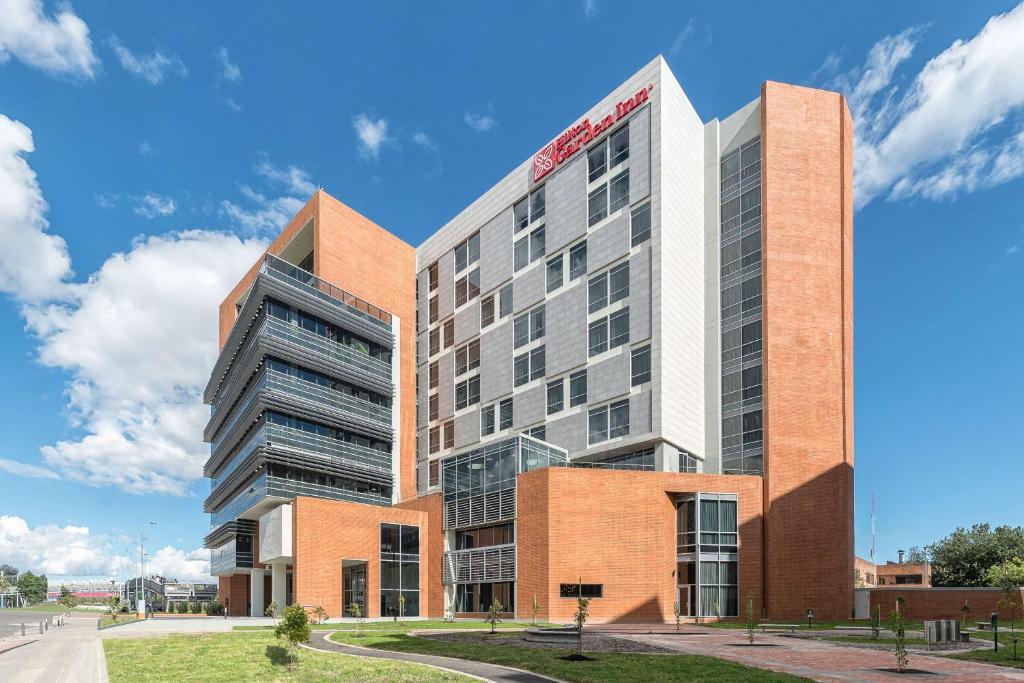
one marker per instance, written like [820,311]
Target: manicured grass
[1002,658]
[866,640]
[610,667]
[403,627]
[231,657]
[107,622]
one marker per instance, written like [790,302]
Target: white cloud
[425,141]
[153,205]
[372,134]
[292,178]
[683,36]
[33,262]
[1013,250]
[151,68]
[234,106]
[106,200]
[139,339]
[264,213]
[950,131]
[146,149]
[69,553]
[59,45]
[24,469]
[481,123]
[229,70]
[589,8]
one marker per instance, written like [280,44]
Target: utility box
[942,632]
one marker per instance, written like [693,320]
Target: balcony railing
[281,269]
[293,386]
[255,441]
[491,563]
[336,449]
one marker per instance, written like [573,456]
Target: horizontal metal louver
[486,508]
[496,563]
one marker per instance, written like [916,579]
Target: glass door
[354,582]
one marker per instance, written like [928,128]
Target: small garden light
[810,617]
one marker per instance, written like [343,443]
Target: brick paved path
[818,660]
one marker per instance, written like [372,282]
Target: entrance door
[354,585]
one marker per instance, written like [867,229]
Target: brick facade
[807,246]
[944,603]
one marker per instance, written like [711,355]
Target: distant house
[891,574]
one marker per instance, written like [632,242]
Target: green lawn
[1002,658]
[608,667]
[106,621]
[404,626]
[231,657]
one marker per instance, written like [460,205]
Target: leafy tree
[33,587]
[964,611]
[534,610]
[67,599]
[1008,576]
[916,555]
[676,612]
[964,557]
[858,578]
[494,614]
[452,604]
[898,626]
[876,621]
[114,606]
[401,608]
[751,622]
[580,617]
[357,611]
[271,610]
[294,628]
[320,613]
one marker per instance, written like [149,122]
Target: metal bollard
[40,628]
[23,629]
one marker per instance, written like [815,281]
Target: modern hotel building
[626,370]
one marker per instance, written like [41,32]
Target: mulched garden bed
[591,642]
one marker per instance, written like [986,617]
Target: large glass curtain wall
[399,570]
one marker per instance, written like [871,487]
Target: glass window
[554,274]
[540,432]
[597,205]
[597,338]
[433,309]
[467,252]
[433,409]
[597,161]
[505,414]
[598,424]
[521,214]
[434,439]
[537,244]
[487,421]
[597,292]
[432,276]
[521,330]
[640,224]
[467,357]
[521,253]
[467,287]
[618,328]
[435,341]
[449,333]
[434,469]
[467,392]
[576,590]
[578,388]
[556,395]
[619,144]
[487,311]
[449,434]
[537,203]
[505,301]
[521,369]
[618,419]
[618,282]
[434,374]
[578,260]
[537,363]
[618,191]
[537,323]
[640,365]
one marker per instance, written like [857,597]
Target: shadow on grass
[278,655]
[577,658]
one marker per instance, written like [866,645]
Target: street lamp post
[140,589]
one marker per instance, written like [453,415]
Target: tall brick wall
[807,246]
[234,594]
[618,529]
[945,603]
[329,531]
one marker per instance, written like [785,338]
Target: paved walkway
[165,626]
[809,657]
[480,670]
[72,653]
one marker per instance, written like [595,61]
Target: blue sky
[147,152]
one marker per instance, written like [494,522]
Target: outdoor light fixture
[810,617]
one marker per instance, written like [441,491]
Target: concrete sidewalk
[160,627]
[72,653]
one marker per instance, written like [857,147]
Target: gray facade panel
[528,407]
[609,378]
[569,432]
[445,285]
[422,348]
[529,288]
[422,442]
[467,428]
[422,298]
[496,362]
[640,155]
[496,251]
[566,322]
[446,385]
[640,413]
[565,197]
[467,322]
[608,243]
[640,296]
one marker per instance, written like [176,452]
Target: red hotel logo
[580,135]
